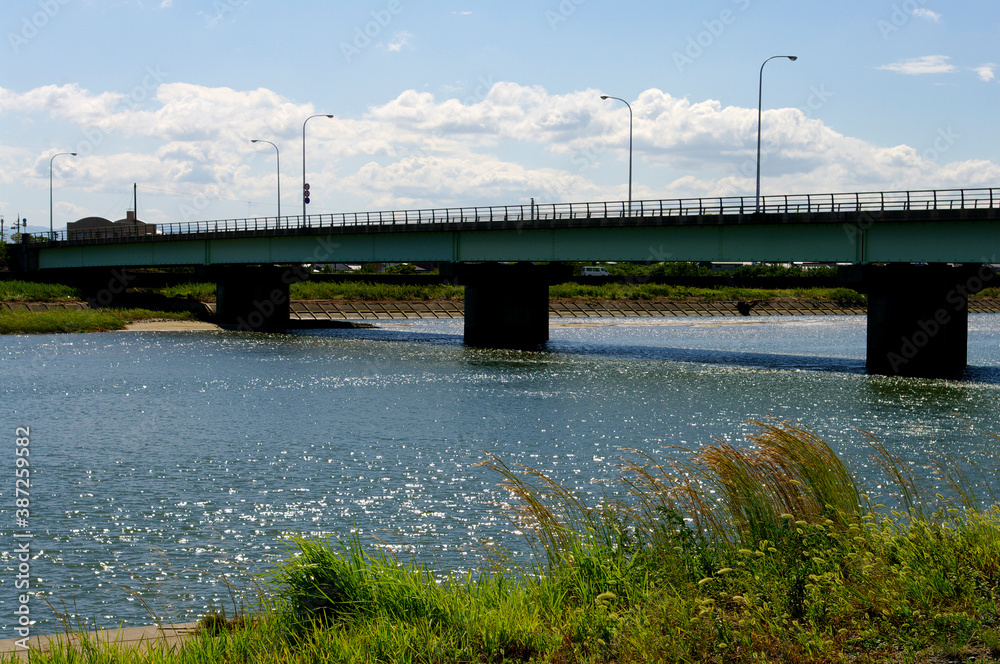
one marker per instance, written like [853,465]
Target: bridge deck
[928,226]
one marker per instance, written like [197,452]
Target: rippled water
[163,461]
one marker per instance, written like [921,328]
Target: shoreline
[133,639]
[302,312]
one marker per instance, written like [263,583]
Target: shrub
[845,297]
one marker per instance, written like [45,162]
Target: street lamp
[629,148]
[760,85]
[304,161]
[51,231]
[277,157]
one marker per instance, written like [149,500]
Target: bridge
[918,255]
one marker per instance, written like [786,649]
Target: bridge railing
[928,199]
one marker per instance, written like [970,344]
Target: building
[95,228]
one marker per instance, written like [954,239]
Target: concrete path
[128,637]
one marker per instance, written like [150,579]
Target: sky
[449,103]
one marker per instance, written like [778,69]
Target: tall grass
[347,290]
[24,291]
[199,291]
[634,291]
[340,598]
[775,549]
[20,291]
[28,291]
[56,321]
[768,552]
[627,291]
[357,290]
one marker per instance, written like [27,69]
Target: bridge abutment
[507,306]
[254,299]
[918,318]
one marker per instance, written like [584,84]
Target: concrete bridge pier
[253,299]
[507,305]
[918,318]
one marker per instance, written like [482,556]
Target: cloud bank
[513,143]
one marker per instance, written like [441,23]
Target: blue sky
[470,102]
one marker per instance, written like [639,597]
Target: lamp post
[304,161]
[760,85]
[629,147]
[51,231]
[277,158]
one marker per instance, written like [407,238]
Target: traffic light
[305,192]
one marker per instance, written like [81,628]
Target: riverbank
[64,317]
[73,317]
[76,316]
[774,554]
[133,640]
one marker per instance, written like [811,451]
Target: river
[162,462]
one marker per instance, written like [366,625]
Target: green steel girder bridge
[920,253]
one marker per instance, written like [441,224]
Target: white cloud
[515,143]
[399,41]
[425,180]
[69,101]
[928,64]
[927,14]
[986,71]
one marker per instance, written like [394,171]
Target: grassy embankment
[636,291]
[65,320]
[569,291]
[769,553]
[111,319]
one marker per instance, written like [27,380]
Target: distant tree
[680,269]
[777,270]
[401,268]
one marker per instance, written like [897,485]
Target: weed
[56,321]
[14,290]
[763,553]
